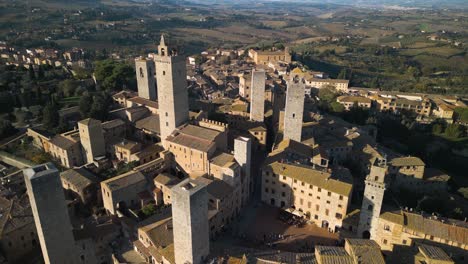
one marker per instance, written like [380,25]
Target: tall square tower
[294,109]
[172,90]
[146,80]
[92,139]
[50,214]
[257,101]
[190,222]
[373,198]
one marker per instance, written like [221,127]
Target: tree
[113,75]
[454,131]
[327,94]
[85,105]
[50,115]
[149,209]
[337,107]
[437,129]
[342,75]
[68,87]
[99,108]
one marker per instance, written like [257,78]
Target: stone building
[162,188]
[257,101]
[172,89]
[350,101]
[18,235]
[122,192]
[321,198]
[245,85]
[405,229]
[82,183]
[92,139]
[50,214]
[190,222]
[294,109]
[193,146]
[374,191]
[394,103]
[265,57]
[145,76]
[339,85]
[66,149]
[156,242]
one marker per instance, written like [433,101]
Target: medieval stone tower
[190,222]
[92,139]
[373,198]
[146,81]
[257,98]
[243,156]
[294,109]
[172,89]
[50,214]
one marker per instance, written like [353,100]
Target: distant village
[224,157]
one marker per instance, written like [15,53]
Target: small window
[164,72]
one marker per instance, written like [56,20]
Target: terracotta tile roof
[311,176]
[80,178]
[62,142]
[451,230]
[195,137]
[367,251]
[219,189]
[352,99]
[160,232]
[166,179]
[407,161]
[124,180]
[150,123]
[332,255]
[434,253]
[145,102]
[223,159]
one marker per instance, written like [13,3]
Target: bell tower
[171,77]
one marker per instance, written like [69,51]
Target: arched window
[369,207]
[141,73]
[376,178]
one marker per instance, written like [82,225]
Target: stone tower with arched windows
[145,76]
[373,198]
[172,89]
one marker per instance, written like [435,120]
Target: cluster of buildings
[42,56]
[198,173]
[425,106]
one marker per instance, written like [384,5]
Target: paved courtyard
[261,227]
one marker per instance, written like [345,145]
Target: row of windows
[311,187]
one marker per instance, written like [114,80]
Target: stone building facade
[322,199]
